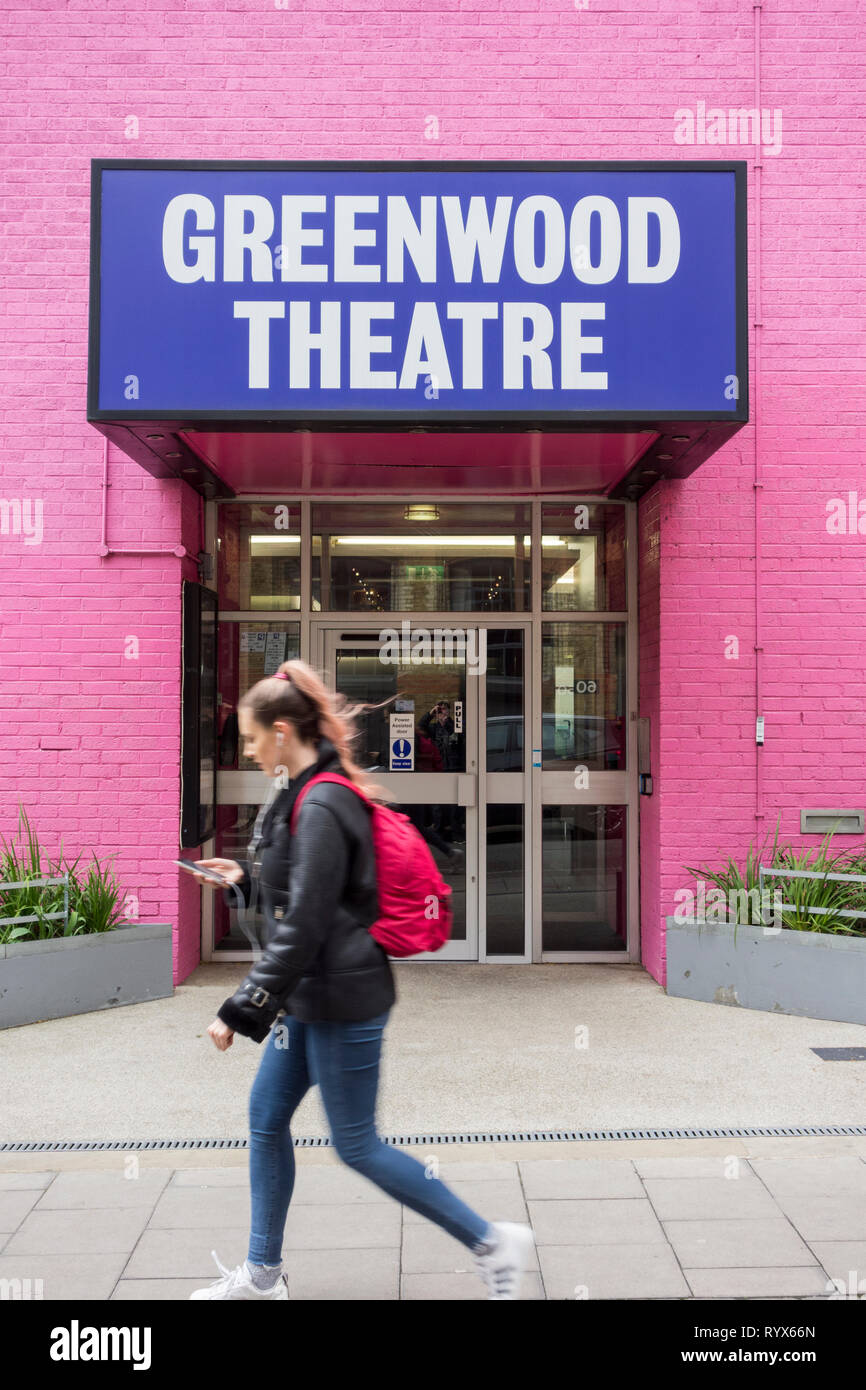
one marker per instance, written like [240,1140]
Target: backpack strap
[323,777]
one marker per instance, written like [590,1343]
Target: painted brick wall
[248,78]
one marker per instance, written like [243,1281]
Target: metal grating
[535,1136]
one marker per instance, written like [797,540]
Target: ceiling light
[421,511]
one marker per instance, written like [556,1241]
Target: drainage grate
[534,1136]
[840,1054]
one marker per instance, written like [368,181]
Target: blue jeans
[343,1060]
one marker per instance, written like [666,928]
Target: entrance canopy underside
[619,460]
[393,328]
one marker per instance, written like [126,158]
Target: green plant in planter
[21,863]
[94,899]
[97,898]
[805,894]
[808,893]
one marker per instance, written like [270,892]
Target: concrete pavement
[770,1218]
[467,1048]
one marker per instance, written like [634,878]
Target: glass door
[584,736]
[423,746]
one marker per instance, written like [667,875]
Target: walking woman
[330,982]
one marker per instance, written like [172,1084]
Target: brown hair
[315,711]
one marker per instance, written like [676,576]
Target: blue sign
[419,291]
[401,755]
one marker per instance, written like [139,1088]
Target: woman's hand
[222,1035]
[230,869]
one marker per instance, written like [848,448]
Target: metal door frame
[325,641]
[619,788]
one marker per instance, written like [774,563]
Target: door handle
[466,786]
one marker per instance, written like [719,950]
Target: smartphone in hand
[193,868]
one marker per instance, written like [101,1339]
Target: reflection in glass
[472,557]
[583,878]
[505,925]
[583,696]
[248,651]
[428,689]
[583,558]
[258,556]
[233,834]
[505,700]
[207,742]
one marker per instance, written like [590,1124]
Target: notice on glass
[275,651]
[402,743]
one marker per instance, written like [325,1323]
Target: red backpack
[414,902]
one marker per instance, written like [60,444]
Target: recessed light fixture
[421,511]
[663,457]
[173,456]
[681,438]
[154,436]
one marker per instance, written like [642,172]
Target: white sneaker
[502,1268]
[238,1283]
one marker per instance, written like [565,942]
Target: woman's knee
[267,1118]
[364,1155]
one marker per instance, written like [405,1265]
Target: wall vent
[840,822]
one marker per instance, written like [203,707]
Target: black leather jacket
[320,961]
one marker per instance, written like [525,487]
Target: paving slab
[186,1253]
[156,1290]
[823,1216]
[89,1277]
[806,1176]
[427,1249]
[844,1260]
[775,1282]
[708,1198]
[623,1269]
[570,1178]
[14,1206]
[79,1232]
[494,1201]
[461,1287]
[733,1244]
[595,1221]
[16,1182]
[130,1186]
[344,1274]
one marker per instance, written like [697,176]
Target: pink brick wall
[527,80]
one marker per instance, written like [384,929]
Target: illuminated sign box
[434,293]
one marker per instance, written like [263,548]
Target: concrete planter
[80,974]
[813,974]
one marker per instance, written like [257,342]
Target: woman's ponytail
[297,694]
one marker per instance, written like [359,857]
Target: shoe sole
[523,1240]
[201,1295]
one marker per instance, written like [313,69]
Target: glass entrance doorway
[465,793]
[500,641]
